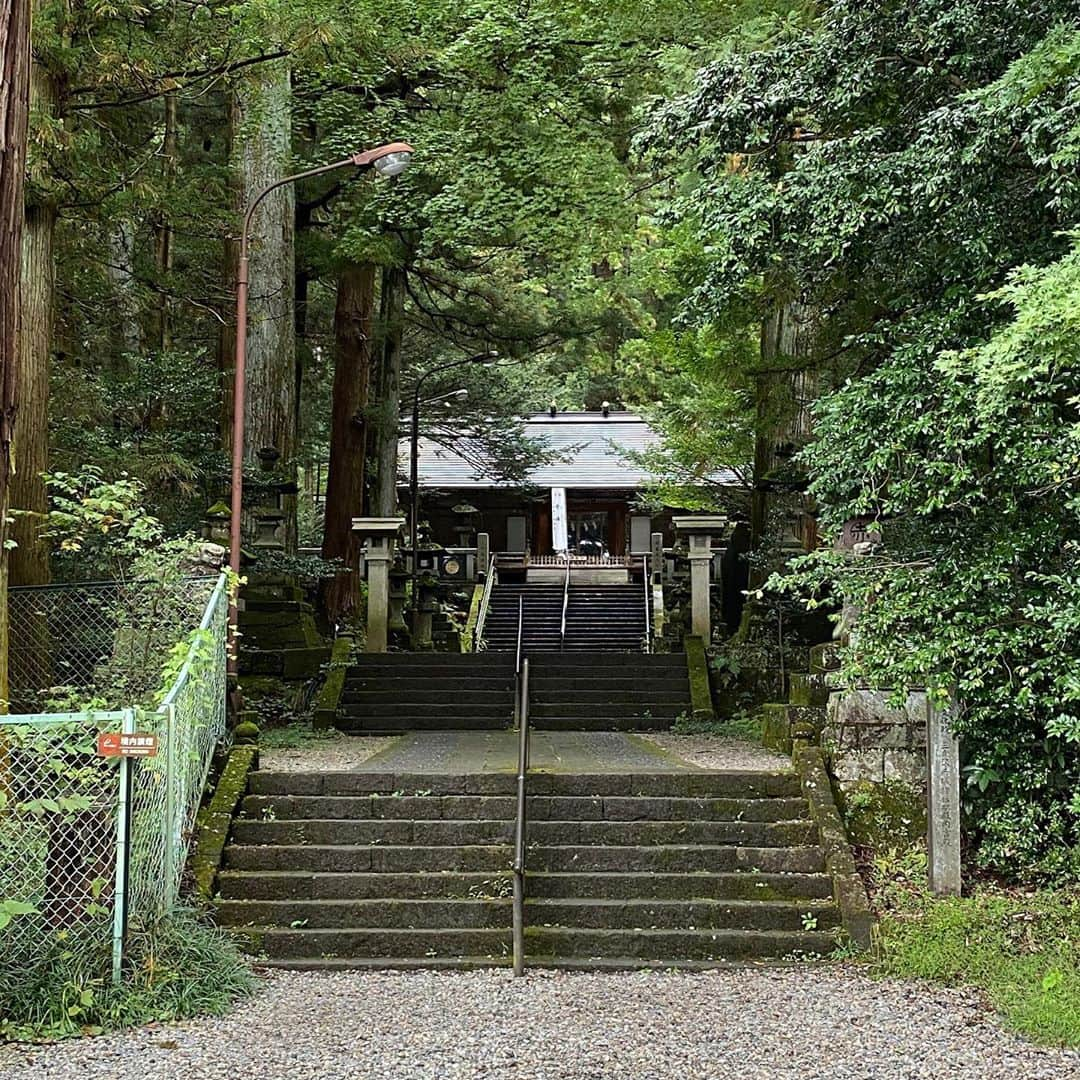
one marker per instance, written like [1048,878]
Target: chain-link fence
[88,841]
[101,643]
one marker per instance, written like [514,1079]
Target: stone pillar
[483,554]
[378,535]
[656,559]
[378,593]
[942,801]
[700,556]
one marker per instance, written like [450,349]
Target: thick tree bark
[127,333]
[14,115]
[392,317]
[353,358]
[29,563]
[261,131]
[784,388]
[163,227]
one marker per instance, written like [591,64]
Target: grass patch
[1020,948]
[742,725]
[297,735]
[178,968]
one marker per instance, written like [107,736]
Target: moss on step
[215,819]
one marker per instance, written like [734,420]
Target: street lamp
[486,358]
[389,160]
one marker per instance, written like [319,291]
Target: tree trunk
[120,271]
[14,116]
[163,227]
[348,434]
[29,560]
[261,130]
[392,317]
[783,391]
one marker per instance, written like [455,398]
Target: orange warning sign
[137,744]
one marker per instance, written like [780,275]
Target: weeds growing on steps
[177,968]
[743,725]
[1021,948]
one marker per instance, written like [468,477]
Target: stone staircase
[599,618]
[354,870]
[386,693]
[607,691]
[389,693]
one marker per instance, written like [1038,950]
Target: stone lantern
[377,536]
[399,579]
[699,531]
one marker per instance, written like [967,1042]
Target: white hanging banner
[559,539]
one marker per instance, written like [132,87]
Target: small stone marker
[942,801]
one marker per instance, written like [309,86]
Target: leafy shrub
[177,968]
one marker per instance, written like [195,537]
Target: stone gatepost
[483,555]
[378,536]
[942,801]
[700,530]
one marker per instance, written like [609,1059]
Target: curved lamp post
[389,160]
[486,358]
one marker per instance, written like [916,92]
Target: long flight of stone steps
[574,691]
[599,618]
[354,870]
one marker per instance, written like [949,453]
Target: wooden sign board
[137,744]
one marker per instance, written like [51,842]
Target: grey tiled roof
[588,444]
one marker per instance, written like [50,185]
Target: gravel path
[802,1023]
[718,752]
[332,755]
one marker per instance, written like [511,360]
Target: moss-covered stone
[246,733]
[329,697]
[215,818]
[700,691]
[848,888]
[468,634]
[883,816]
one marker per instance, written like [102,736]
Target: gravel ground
[348,752]
[799,1023]
[718,752]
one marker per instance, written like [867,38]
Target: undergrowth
[743,725]
[1021,948]
[296,736]
[177,968]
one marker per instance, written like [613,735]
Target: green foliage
[871,173]
[177,968]
[1021,949]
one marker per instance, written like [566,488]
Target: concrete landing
[549,751]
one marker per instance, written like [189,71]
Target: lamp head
[389,160]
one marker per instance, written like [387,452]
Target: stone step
[543,682]
[433,833]
[301,885]
[372,831]
[760,834]
[708,886]
[314,885]
[540,807]
[675,859]
[616,710]
[280,943]
[557,943]
[501,706]
[354,720]
[691,783]
[437,913]
[391,963]
[398,684]
[681,914]
[651,661]
[408,659]
[369,858]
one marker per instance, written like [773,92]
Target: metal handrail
[517,662]
[648,597]
[565,605]
[521,824]
[485,600]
